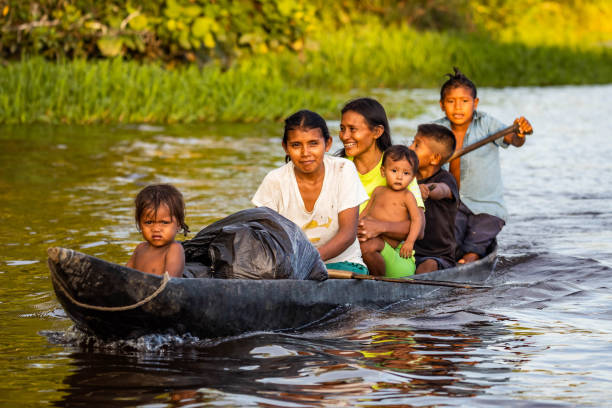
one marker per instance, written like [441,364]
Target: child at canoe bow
[159,215]
[318,192]
[393,202]
[434,145]
[482,211]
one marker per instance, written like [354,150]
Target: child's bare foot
[469,257]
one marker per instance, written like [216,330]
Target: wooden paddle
[339,274]
[509,130]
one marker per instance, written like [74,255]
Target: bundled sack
[257,243]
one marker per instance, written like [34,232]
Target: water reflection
[382,365]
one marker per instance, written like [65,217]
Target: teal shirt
[482,190]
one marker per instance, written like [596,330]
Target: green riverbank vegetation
[226,60]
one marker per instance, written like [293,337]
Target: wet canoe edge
[87,286]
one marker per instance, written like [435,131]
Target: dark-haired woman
[318,192]
[365,133]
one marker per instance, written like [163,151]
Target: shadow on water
[436,350]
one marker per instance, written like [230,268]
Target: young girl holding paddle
[318,192]
[365,133]
[482,211]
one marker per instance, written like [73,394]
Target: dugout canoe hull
[209,308]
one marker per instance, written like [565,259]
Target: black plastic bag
[257,243]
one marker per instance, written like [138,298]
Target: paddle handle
[506,131]
[338,274]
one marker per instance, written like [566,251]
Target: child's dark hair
[456,80]
[399,152]
[440,134]
[305,120]
[375,115]
[153,196]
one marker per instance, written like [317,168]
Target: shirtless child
[160,215]
[434,144]
[394,203]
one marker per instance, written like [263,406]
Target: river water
[541,337]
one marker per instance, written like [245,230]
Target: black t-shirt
[439,238]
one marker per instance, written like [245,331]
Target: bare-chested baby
[394,202]
[160,215]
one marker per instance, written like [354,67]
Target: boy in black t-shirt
[434,144]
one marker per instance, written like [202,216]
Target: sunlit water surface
[542,336]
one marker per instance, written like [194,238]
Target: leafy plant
[191,30]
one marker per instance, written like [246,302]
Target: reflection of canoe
[112,301]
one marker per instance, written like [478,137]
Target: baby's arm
[347,231]
[415,225]
[416,189]
[175,260]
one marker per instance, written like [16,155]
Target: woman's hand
[368,228]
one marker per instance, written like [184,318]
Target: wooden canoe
[112,301]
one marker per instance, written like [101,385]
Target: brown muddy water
[542,336]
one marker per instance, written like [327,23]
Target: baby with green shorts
[394,203]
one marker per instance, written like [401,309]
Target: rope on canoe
[152,296]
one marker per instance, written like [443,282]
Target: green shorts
[348,266]
[395,265]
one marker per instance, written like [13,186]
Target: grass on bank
[36,90]
[271,86]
